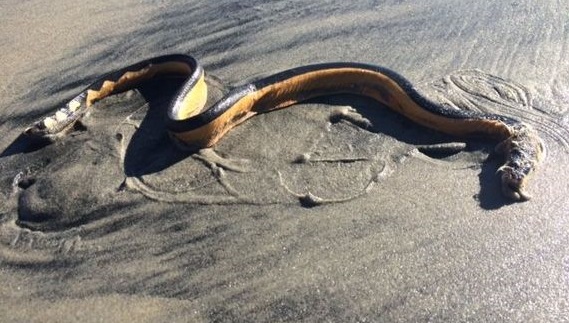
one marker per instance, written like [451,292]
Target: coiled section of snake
[194,127]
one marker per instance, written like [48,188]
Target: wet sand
[115,223]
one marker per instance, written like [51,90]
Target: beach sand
[114,223]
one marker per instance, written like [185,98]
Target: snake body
[194,127]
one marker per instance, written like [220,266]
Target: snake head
[40,131]
[524,150]
[60,123]
[35,130]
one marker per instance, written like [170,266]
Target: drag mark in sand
[219,165]
[59,243]
[216,165]
[310,200]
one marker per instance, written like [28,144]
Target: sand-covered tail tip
[524,150]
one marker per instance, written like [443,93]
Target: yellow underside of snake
[195,127]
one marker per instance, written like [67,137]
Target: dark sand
[416,238]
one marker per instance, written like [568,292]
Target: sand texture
[298,214]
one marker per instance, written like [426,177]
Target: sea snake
[194,127]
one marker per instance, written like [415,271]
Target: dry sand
[402,237]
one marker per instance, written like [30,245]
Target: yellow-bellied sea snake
[192,126]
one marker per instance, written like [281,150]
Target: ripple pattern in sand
[477,90]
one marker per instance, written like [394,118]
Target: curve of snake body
[192,126]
